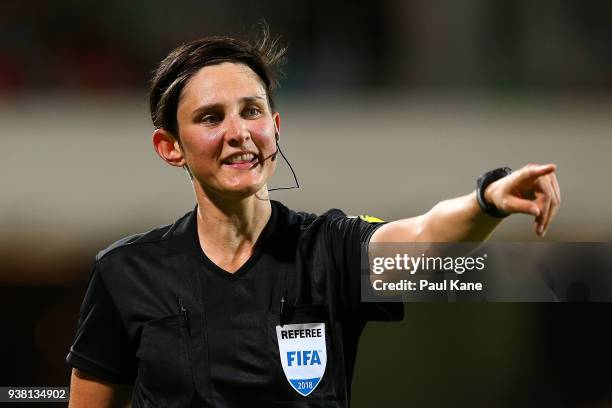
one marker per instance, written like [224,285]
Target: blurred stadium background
[387,108]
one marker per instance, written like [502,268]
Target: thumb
[519,205]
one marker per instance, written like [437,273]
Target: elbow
[422,228]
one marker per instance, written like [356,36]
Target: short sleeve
[348,234]
[101,347]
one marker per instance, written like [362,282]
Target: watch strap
[481,185]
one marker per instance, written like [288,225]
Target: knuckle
[542,209]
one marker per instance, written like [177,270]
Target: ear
[168,148]
[277,122]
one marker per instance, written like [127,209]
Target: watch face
[498,173]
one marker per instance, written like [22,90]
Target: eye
[210,118]
[252,112]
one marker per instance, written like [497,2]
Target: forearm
[532,190]
[457,220]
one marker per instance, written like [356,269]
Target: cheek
[209,144]
[263,134]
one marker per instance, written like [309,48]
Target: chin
[244,191]
[235,188]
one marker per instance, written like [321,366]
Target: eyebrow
[211,106]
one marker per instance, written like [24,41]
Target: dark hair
[264,57]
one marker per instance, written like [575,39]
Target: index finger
[532,172]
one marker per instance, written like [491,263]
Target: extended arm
[532,190]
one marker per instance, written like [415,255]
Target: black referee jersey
[159,314]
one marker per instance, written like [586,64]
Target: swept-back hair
[263,56]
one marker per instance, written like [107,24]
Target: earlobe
[168,148]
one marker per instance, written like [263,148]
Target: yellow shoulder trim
[370,219]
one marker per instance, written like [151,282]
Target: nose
[237,132]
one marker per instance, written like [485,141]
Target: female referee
[242,301]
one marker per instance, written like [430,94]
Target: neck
[231,223]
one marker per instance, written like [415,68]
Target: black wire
[297,184]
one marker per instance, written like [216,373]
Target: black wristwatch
[481,185]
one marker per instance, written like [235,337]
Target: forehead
[221,83]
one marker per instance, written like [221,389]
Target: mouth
[241,160]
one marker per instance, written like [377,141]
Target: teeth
[241,158]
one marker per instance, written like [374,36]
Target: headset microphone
[273,158]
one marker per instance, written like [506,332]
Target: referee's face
[227,130]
